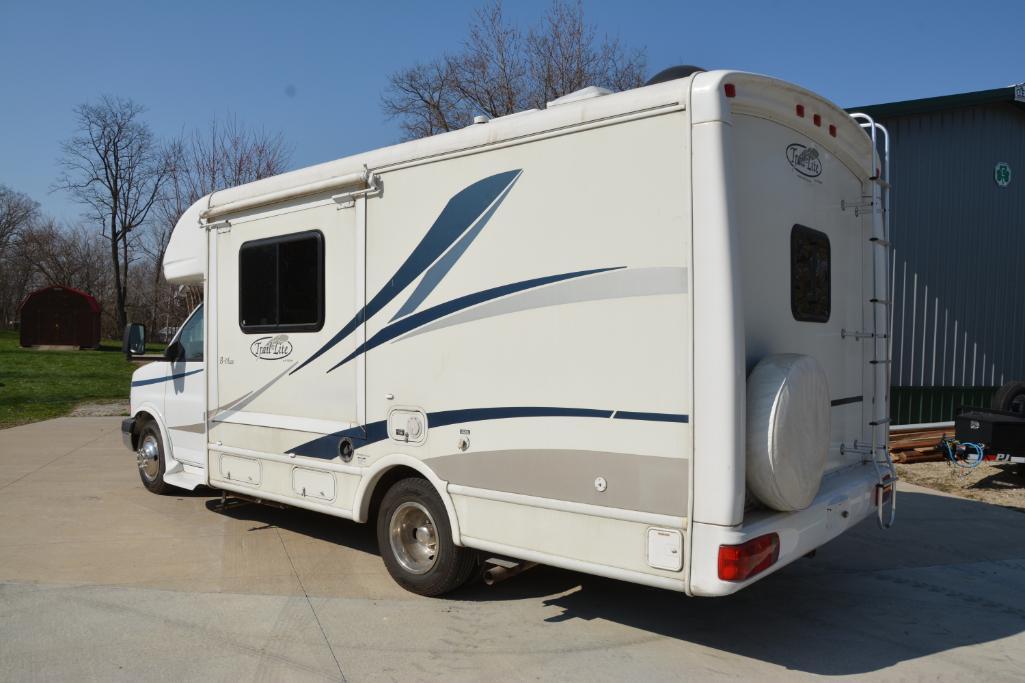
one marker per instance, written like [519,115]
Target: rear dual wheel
[415,540]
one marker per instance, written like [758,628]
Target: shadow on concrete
[306,522]
[950,574]
[200,491]
[1004,478]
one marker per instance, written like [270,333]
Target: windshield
[190,336]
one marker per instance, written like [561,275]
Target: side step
[184,480]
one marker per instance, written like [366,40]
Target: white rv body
[550,317]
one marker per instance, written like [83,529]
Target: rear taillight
[740,562]
[730,90]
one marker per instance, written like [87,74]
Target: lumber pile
[918,444]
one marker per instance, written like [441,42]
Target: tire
[1009,398]
[415,540]
[151,473]
[788,427]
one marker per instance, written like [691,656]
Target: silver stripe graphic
[616,284]
[646,483]
[197,428]
[240,403]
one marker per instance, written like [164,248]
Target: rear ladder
[879,450]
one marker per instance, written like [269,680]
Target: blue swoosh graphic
[459,214]
[431,314]
[436,273]
[326,447]
[158,380]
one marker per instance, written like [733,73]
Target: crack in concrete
[312,608]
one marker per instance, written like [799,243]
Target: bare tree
[113,168]
[225,154]
[501,70]
[425,100]
[564,54]
[18,213]
[491,74]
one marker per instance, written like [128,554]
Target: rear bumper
[127,428]
[845,498]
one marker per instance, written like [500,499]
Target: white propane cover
[787,430]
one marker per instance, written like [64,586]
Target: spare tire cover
[787,430]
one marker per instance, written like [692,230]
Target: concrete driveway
[102,580]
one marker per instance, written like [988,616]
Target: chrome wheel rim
[148,457]
[414,538]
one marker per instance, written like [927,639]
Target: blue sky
[315,70]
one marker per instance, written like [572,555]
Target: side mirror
[134,341]
[173,351]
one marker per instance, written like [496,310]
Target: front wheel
[415,540]
[150,458]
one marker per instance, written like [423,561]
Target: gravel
[1002,485]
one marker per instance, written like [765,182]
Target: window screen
[810,292]
[281,284]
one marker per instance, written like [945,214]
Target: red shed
[60,316]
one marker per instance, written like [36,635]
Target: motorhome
[641,335]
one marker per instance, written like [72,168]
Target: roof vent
[582,94]
[673,73]
[480,118]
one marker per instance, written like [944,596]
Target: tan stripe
[197,428]
[635,482]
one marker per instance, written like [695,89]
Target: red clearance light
[832,130]
[730,89]
[800,110]
[991,457]
[817,120]
[740,562]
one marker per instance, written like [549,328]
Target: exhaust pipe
[506,570]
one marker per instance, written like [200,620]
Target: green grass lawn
[37,385]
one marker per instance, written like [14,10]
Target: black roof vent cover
[674,72]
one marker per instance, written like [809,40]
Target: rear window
[281,283]
[810,290]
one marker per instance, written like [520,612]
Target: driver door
[185,393]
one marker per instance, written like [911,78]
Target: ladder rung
[884,302]
[876,362]
[876,423]
[879,241]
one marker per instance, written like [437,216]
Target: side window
[810,290]
[191,338]
[281,284]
